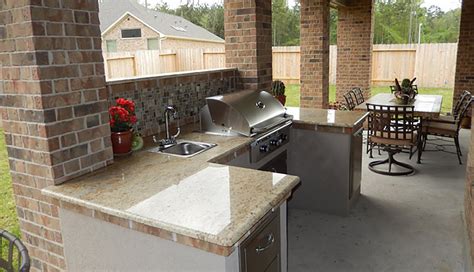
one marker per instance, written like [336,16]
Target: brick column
[464,79]
[314,43]
[354,47]
[248,41]
[54,109]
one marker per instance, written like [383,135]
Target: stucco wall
[130,44]
[171,43]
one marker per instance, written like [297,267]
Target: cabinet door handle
[270,241]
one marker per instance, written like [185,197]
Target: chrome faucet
[170,140]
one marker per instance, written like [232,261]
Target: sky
[445,5]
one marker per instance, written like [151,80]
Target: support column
[54,108]
[248,41]
[354,47]
[464,79]
[314,43]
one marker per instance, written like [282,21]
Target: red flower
[122,116]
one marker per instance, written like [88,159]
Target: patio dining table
[426,106]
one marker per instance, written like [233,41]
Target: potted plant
[122,118]
[404,93]
[278,91]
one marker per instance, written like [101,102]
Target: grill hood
[245,112]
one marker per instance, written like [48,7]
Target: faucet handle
[177,133]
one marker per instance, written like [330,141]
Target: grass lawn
[293,94]
[8,219]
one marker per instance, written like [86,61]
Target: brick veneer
[354,47]
[54,109]
[187,91]
[464,78]
[314,40]
[248,41]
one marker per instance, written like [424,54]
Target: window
[111,45]
[153,44]
[131,33]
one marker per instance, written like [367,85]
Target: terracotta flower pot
[122,142]
[282,99]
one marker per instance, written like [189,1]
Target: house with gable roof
[126,25]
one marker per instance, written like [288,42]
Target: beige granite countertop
[327,120]
[189,197]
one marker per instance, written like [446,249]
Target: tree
[210,17]
[396,21]
[285,23]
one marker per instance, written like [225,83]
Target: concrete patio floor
[412,223]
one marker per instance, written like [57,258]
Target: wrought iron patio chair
[448,130]
[393,128]
[350,104]
[15,248]
[451,118]
[359,95]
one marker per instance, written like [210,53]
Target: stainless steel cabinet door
[261,251]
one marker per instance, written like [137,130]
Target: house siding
[171,43]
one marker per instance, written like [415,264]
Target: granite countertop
[193,197]
[328,118]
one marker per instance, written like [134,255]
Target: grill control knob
[276,142]
[264,148]
[284,137]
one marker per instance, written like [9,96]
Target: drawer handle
[270,241]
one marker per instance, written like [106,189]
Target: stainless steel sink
[185,149]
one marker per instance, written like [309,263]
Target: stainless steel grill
[250,113]
[247,113]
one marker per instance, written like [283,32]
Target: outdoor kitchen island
[155,212]
[160,212]
[326,153]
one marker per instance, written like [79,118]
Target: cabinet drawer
[261,251]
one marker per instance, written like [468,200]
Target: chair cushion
[385,138]
[442,129]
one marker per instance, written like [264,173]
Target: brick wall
[186,90]
[314,53]
[464,79]
[354,47]
[248,36]
[54,110]
[173,43]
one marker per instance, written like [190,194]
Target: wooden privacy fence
[153,62]
[434,65]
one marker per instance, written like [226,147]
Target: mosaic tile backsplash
[186,91]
